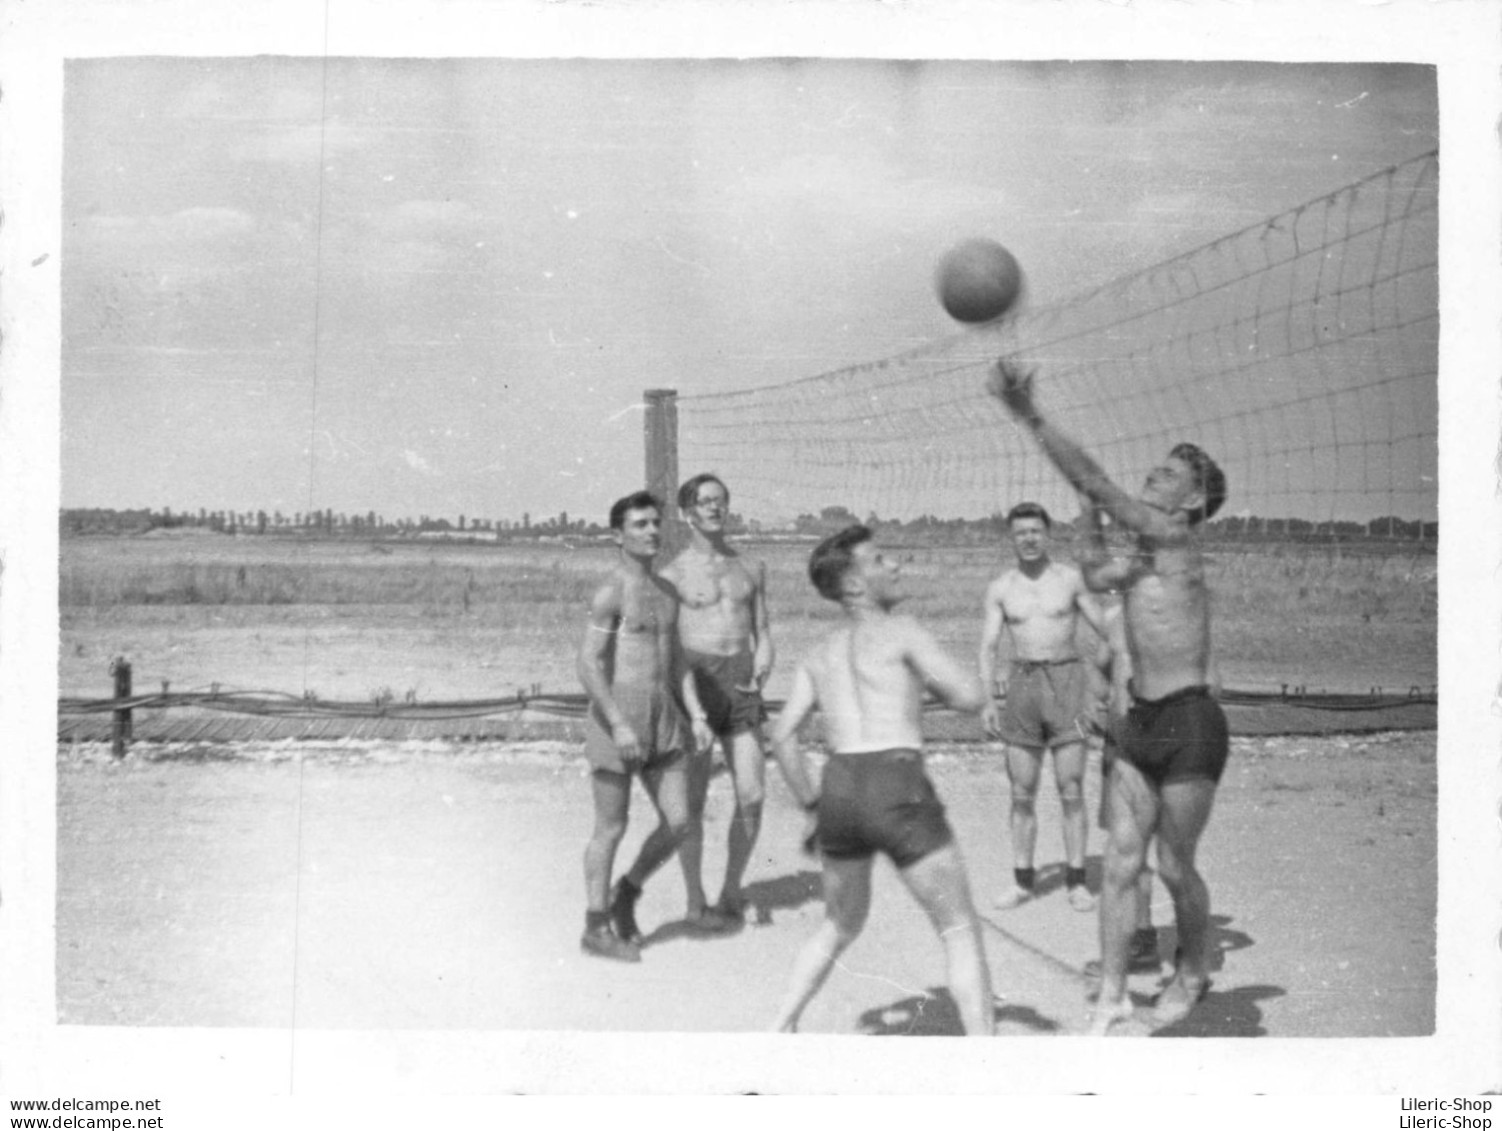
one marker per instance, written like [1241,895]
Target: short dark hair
[688,494]
[636,501]
[832,559]
[1029,510]
[1208,477]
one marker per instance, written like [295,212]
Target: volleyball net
[1300,352]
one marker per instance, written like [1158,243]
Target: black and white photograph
[589,550]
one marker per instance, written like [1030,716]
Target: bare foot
[1104,1015]
[1179,998]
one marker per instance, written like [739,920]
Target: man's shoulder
[1068,572]
[610,592]
[1003,581]
[904,628]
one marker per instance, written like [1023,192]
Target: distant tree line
[926,529]
[931,530]
[317,523]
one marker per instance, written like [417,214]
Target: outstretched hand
[1012,385]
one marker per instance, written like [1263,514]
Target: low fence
[220,716]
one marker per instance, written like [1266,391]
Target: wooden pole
[661,428]
[120,732]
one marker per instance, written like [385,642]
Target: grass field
[355,620]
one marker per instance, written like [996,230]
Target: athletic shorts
[659,727]
[1180,737]
[1046,703]
[722,683]
[880,802]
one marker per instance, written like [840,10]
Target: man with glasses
[727,650]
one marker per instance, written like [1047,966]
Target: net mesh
[1301,352]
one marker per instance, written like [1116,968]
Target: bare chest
[706,583]
[1047,597]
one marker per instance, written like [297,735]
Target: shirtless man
[727,649]
[1039,604]
[631,668]
[1173,742]
[868,679]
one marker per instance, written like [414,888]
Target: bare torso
[718,595]
[639,652]
[1039,612]
[1166,609]
[868,692]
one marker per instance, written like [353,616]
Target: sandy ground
[379,886]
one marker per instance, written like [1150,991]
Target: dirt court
[360,885]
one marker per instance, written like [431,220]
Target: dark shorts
[659,727]
[727,691]
[1180,737]
[1046,703]
[880,802]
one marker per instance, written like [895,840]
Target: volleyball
[977,280]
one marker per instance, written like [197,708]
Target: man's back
[868,677]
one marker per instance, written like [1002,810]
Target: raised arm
[1013,387]
[955,686]
[1103,571]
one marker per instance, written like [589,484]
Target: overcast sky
[439,286]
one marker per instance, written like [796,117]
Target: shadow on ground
[935,1014]
[784,893]
[762,898]
[1232,1013]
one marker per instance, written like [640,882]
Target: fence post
[120,731]
[661,425]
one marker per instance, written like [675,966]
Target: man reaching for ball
[1173,741]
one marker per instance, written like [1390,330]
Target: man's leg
[939,883]
[1069,773]
[748,767]
[1133,812]
[668,790]
[612,800]
[1185,810]
[691,850]
[847,900]
[1024,767]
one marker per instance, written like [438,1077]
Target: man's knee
[750,806]
[1072,793]
[678,827]
[1175,867]
[609,830]
[1120,868]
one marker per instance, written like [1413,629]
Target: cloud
[419,218]
[415,461]
[863,189]
[199,225]
[299,143]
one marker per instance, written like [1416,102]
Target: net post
[120,730]
[661,435]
